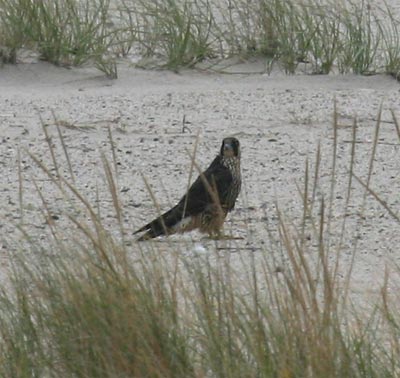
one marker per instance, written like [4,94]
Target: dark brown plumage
[207,201]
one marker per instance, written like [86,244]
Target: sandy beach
[155,117]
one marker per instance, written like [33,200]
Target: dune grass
[177,31]
[63,32]
[87,303]
[355,36]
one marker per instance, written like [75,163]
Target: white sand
[279,120]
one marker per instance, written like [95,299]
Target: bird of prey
[207,202]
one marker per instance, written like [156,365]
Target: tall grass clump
[329,36]
[89,302]
[290,39]
[67,32]
[391,43]
[361,39]
[326,35]
[178,32]
[324,25]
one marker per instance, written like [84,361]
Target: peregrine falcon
[207,202]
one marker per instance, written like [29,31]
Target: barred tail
[161,225]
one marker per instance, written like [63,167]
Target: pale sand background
[279,120]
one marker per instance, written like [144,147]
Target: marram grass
[331,36]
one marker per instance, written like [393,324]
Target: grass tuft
[65,33]
[176,31]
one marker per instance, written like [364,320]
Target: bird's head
[230,147]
